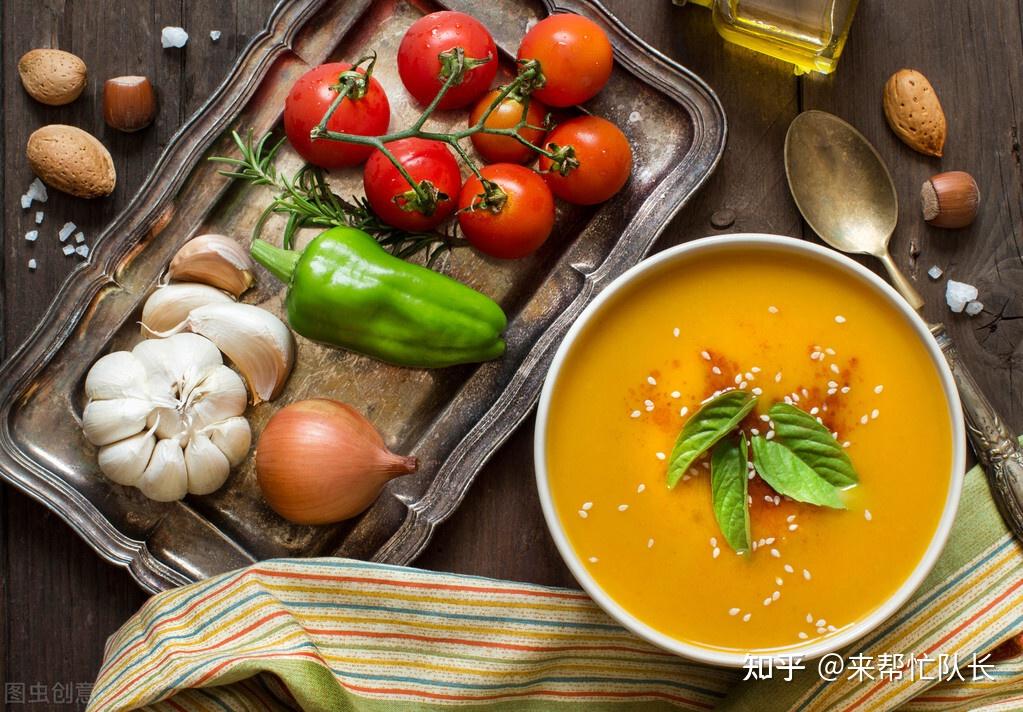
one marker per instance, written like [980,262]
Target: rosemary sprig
[308,201]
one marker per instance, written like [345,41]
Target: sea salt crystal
[37,191]
[32,264]
[935,272]
[82,250]
[959,294]
[974,308]
[39,217]
[32,235]
[65,232]
[80,238]
[214,35]
[173,37]
[68,250]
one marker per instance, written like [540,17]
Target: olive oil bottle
[808,33]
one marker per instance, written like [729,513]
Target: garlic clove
[259,344]
[170,304]
[107,421]
[165,478]
[116,375]
[167,422]
[178,362]
[233,436]
[219,396]
[206,465]
[125,460]
[216,260]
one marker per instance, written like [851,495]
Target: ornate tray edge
[90,277]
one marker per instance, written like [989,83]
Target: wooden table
[59,601]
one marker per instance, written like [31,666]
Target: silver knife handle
[997,449]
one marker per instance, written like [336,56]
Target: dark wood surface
[59,601]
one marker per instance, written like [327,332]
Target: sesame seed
[594,559]
[806,393]
[839,319]
[583,513]
[806,574]
[867,515]
[878,389]
[803,636]
[635,414]
[874,413]
[640,488]
[821,630]
[829,351]
[777,500]
[734,611]
[770,435]
[834,435]
[742,386]
[713,541]
[846,443]
[769,540]
[755,369]
[788,399]
[821,623]
[779,580]
[832,629]
[815,410]
[791,518]
[716,371]
[705,355]
[716,553]
[832,391]
[758,391]
[795,397]
[788,569]
[650,543]
[775,553]
[773,309]
[750,476]
[745,618]
[754,431]
[675,332]
[777,377]
[738,378]
[648,404]
[845,389]
[809,618]
[651,380]
[622,507]
[683,411]
[864,419]
[660,455]
[676,394]
[793,527]
[776,595]
[587,506]
[832,384]
[835,369]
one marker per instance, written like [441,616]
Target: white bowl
[810,252]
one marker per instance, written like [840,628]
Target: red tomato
[389,193]
[420,66]
[604,155]
[505,149]
[574,56]
[521,225]
[308,101]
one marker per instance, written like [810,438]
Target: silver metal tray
[452,419]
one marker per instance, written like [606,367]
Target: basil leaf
[728,486]
[812,443]
[790,476]
[714,420]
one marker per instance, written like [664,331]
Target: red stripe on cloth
[484,644]
[534,693]
[1001,597]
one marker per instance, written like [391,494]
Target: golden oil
[808,33]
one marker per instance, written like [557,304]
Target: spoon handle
[996,447]
[901,283]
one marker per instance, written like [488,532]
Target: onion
[320,461]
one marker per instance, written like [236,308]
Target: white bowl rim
[813,649]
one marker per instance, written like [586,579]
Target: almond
[71,160]
[52,76]
[914,112]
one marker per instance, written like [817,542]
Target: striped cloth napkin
[334,634]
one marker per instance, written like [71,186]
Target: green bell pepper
[344,289]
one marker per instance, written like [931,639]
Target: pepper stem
[280,263]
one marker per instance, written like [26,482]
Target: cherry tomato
[574,56]
[419,63]
[604,155]
[389,193]
[308,101]
[521,225]
[505,149]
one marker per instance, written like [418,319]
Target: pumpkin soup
[737,340]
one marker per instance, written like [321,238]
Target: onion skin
[320,461]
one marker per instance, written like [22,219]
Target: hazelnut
[950,199]
[129,103]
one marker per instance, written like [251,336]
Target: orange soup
[785,328]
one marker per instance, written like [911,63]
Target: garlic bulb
[167,417]
[169,305]
[216,260]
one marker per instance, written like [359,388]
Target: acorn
[950,199]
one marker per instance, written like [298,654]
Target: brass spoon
[845,193]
